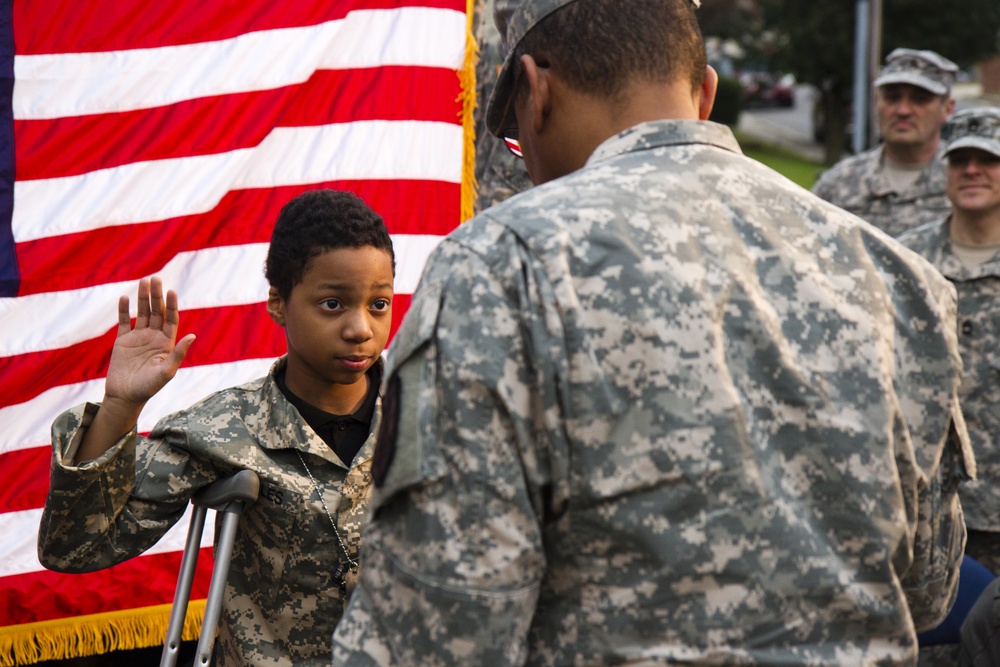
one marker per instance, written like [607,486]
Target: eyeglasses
[961,157]
[509,121]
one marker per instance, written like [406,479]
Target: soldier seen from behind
[665,406]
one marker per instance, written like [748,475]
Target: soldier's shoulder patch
[385,442]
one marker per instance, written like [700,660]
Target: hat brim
[500,96]
[924,82]
[991,146]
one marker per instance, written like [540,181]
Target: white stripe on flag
[18,554]
[59,85]
[164,189]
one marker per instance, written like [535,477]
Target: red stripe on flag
[128,252]
[207,126]
[400,304]
[25,479]
[48,26]
[141,582]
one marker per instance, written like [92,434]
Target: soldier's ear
[276,306]
[706,95]
[538,75]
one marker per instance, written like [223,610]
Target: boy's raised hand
[146,357]
[143,360]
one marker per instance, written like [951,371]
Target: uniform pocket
[267,537]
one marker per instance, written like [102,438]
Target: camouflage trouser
[942,655]
[985,548]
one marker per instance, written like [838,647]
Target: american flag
[144,138]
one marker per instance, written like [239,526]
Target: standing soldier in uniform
[899,185]
[663,407]
[965,247]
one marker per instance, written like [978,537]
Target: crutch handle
[243,487]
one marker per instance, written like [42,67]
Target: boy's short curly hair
[317,221]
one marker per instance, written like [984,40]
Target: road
[789,128]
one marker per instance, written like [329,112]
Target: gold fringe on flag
[96,634]
[468,99]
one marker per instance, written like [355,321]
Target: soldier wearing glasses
[965,247]
[663,407]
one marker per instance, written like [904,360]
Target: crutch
[231,496]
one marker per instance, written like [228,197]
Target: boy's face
[337,319]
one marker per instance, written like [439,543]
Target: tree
[815,41]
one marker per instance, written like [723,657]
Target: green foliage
[815,41]
[965,31]
[728,102]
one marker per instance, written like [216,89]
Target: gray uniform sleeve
[823,188]
[941,459]
[452,556]
[931,582]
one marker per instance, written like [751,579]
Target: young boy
[307,429]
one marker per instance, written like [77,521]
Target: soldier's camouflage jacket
[858,184]
[668,408]
[281,602]
[979,343]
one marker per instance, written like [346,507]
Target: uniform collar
[878,182]
[939,251]
[284,428]
[665,133]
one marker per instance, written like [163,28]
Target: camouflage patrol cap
[973,128]
[924,69]
[514,19]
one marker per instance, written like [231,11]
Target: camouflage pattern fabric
[499,173]
[859,185]
[926,69]
[281,602]
[669,408]
[984,546]
[979,343]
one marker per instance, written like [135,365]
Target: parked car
[764,89]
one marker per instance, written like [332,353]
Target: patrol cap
[514,19]
[973,128]
[924,69]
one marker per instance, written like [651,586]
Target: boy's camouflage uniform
[668,408]
[979,342]
[281,602]
[858,184]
